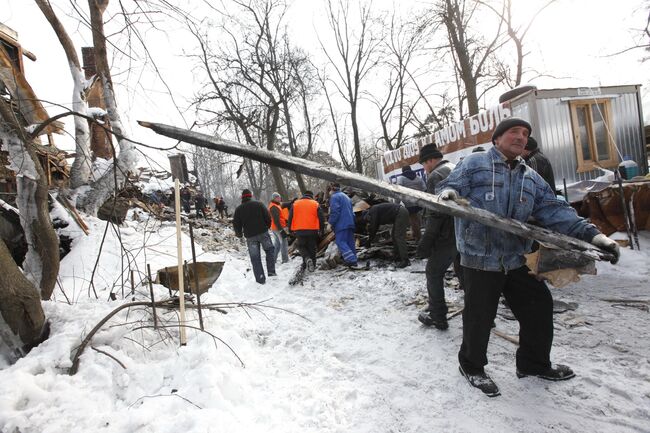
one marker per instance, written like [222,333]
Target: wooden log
[401,193]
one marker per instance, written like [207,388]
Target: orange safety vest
[305,215]
[284,216]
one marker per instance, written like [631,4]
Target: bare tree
[516,33]
[470,52]
[396,109]
[354,55]
[258,81]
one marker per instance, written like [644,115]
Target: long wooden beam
[423,199]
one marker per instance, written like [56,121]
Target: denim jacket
[488,183]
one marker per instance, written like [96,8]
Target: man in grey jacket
[493,261]
[438,243]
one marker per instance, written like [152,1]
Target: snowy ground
[353,359]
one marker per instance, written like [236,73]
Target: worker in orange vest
[306,222]
[279,216]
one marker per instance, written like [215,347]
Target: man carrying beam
[493,261]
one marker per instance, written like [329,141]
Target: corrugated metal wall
[556,135]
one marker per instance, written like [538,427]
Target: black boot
[427,319]
[481,381]
[554,373]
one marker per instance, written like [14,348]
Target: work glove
[448,194]
[602,241]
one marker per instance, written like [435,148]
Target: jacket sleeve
[275,216]
[267,215]
[237,223]
[335,209]
[558,215]
[290,218]
[321,219]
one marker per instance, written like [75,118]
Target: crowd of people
[489,263]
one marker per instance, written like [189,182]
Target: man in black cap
[538,162]
[493,261]
[252,219]
[438,243]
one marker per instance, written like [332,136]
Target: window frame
[585,165]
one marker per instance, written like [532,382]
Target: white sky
[570,41]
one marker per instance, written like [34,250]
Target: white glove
[602,241]
[448,194]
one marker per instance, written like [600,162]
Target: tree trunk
[102,189]
[81,167]
[41,263]
[421,198]
[24,323]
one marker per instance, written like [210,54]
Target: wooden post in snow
[181,291]
[356,180]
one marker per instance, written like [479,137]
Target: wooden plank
[357,180]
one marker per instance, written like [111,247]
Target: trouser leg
[437,265]
[277,242]
[269,252]
[458,270]
[532,304]
[284,248]
[399,234]
[414,220]
[303,248]
[482,291]
[312,246]
[256,259]
[345,247]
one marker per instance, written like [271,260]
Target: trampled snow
[344,352]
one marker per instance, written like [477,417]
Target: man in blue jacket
[342,221]
[493,261]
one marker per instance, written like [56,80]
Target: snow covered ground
[347,355]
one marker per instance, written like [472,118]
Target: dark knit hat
[406,169]
[429,151]
[508,123]
[532,144]
[308,194]
[246,193]
[335,186]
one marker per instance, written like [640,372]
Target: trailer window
[591,131]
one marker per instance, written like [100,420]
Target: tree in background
[353,57]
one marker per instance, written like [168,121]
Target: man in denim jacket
[493,261]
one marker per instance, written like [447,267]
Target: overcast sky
[572,42]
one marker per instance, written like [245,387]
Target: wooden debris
[72,211]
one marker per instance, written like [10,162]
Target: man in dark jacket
[199,204]
[536,160]
[186,198]
[398,216]
[493,261]
[253,220]
[341,220]
[306,221]
[438,243]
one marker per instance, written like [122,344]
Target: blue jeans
[254,243]
[281,244]
[345,243]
